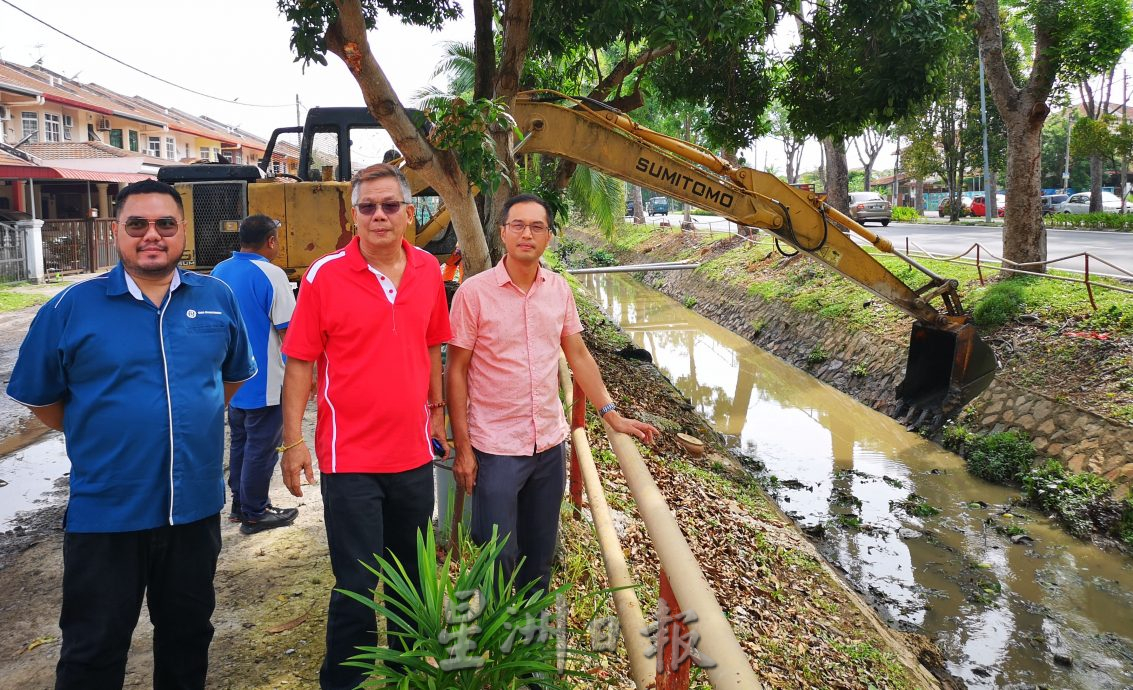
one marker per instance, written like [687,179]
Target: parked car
[979,208]
[1050,201]
[867,206]
[657,206]
[1080,203]
[945,204]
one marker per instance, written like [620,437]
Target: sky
[235,50]
[239,50]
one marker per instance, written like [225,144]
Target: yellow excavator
[948,364]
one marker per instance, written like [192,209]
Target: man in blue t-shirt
[135,368]
[255,418]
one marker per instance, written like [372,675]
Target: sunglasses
[388,207]
[166,226]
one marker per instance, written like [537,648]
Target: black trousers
[367,514]
[106,575]
[521,496]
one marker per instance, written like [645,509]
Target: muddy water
[29,476]
[1053,612]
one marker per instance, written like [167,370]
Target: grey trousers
[521,495]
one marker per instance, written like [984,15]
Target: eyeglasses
[517,227]
[166,226]
[388,207]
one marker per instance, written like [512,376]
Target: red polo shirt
[372,358]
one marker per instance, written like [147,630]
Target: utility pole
[298,122]
[989,200]
[1066,170]
[1124,121]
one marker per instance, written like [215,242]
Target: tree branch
[1003,89]
[484,49]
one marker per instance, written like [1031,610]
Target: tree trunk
[1095,183]
[837,175]
[1024,234]
[638,207]
[920,196]
[346,38]
[868,170]
[1024,110]
[484,47]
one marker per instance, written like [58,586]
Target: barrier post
[674,662]
[577,421]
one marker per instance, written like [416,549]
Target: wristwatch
[608,407]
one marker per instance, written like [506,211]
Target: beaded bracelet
[436,405]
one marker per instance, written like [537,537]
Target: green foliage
[905,214]
[956,438]
[1070,496]
[310,20]
[1001,303]
[464,127]
[856,65]
[1111,221]
[859,370]
[689,301]
[817,356]
[1091,138]
[431,608]
[1087,36]
[1003,458]
[1055,131]
[602,257]
[1125,527]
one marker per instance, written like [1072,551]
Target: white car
[1080,203]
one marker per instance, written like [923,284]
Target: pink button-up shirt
[513,384]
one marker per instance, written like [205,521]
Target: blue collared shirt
[266,303]
[143,393]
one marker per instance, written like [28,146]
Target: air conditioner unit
[5,113]
[103,124]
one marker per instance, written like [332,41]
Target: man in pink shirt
[508,324]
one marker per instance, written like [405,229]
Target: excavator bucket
[946,369]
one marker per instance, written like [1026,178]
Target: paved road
[942,239]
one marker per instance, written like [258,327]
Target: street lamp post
[988,200]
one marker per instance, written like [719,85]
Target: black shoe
[273,517]
[235,514]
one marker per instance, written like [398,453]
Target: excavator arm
[948,364]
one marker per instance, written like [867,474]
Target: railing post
[1090,287]
[979,268]
[674,663]
[577,421]
[92,249]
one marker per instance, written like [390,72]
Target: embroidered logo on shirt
[193,313]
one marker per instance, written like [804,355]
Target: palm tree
[594,196]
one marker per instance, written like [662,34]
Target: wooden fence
[80,245]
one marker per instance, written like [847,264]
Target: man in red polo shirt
[507,421]
[370,321]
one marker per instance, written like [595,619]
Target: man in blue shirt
[135,368]
[255,417]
